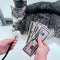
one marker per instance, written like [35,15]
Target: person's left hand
[4,44]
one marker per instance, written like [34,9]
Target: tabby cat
[52,20]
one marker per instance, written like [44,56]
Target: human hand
[4,44]
[42,50]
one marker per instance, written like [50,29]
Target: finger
[7,41]
[15,42]
[12,46]
[10,40]
[40,41]
[45,44]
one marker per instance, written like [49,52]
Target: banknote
[32,43]
[31,29]
[35,27]
[31,47]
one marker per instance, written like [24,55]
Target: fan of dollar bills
[36,29]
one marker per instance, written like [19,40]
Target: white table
[18,54]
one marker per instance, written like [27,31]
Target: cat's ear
[12,8]
[23,9]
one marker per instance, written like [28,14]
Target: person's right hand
[4,44]
[42,50]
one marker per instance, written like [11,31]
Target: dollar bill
[31,29]
[31,47]
[32,44]
[35,27]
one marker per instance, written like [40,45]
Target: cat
[52,20]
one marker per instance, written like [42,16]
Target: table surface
[18,54]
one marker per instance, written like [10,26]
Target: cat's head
[17,13]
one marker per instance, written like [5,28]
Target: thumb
[45,44]
[10,40]
[39,41]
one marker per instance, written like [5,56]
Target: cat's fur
[52,20]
